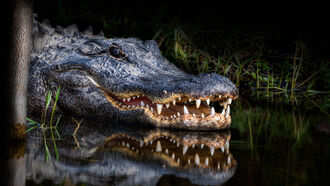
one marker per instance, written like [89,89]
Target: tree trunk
[19,61]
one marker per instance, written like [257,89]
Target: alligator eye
[115,52]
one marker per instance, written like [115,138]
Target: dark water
[265,146]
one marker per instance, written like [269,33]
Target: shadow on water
[272,145]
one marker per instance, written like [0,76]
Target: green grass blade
[31,122]
[30,129]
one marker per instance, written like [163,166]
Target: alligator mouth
[177,111]
[176,152]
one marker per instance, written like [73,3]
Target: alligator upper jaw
[176,151]
[178,111]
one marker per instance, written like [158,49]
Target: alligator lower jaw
[175,151]
[178,111]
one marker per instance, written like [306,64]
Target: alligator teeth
[167,105]
[151,109]
[159,108]
[218,165]
[127,145]
[193,146]
[223,149]
[178,113]
[208,101]
[203,115]
[133,97]
[212,111]
[179,98]
[207,161]
[194,114]
[166,151]
[178,160]
[185,110]
[229,100]
[158,147]
[196,159]
[173,102]
[138,96]
[185,148]
[128,99]
[189,161]
[147,106]
[173,156]
[202,145]
[124,99]
[219,96]
[223,112]
[141,144]
[228,160]
[212,150]
[228,111]
[198,103]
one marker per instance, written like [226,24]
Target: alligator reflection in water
[132,156]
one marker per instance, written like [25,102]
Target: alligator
[100,155]
[122,79]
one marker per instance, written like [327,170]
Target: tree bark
[19,61]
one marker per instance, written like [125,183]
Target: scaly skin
[100,154]
[125,80]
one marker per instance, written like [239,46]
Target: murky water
[265,146]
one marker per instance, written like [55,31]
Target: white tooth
[173,102]
[147,106]
[173,155]
[219,96]
[166,151]
[159,108]
[133,97]
[178,113]
[179,98]
[166,117]
[193,146]
[142,103]
[198,103]
[202,145]
[151,109]
[141,144]
[223,112]
[223,149]
[194,115]
[189,161]
[167,105]
[158,147]
[178,160]
[203,115]
[171,140]
[178,144]
[212,111]
[128,99]
[228,111]
[133,148]
[174,116]
[207,161]
[208,101]
[171,117]
[228,160]
[229,101]
[218,165]
[196,159]
[174,141]
[127,145]
[128,106]
[185,110]
[227,144]
[225,105]
[151,141]
[189,99]
[138,96]
[124,99]
[123,143]
[212,150]
[133,106]
[185,148]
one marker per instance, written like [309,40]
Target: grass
[44,126]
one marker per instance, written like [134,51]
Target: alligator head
[100,154]
[126,80]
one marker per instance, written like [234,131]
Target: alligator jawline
[176,108]
[176,152]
